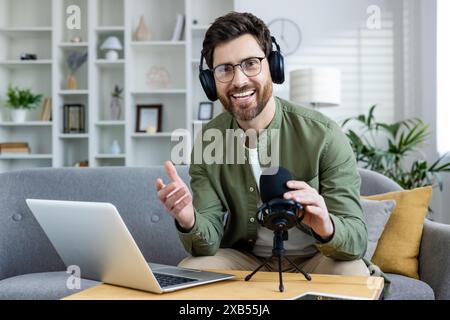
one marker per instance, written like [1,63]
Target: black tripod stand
[278,251]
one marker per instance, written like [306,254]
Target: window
[443,76]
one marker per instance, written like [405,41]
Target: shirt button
[251,189]
[252,220]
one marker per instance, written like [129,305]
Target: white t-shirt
[298,244]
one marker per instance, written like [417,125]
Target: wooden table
[263,286]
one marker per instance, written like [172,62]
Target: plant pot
[72,82]
[19,115]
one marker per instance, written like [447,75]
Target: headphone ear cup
[208,84]
[276,65]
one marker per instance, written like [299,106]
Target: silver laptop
[93,236]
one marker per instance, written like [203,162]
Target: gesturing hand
[176,197]
[315,210]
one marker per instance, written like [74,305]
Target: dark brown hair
[231,26]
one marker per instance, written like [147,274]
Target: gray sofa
[30,268]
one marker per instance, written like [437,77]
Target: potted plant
[75,60]
[20,101]
[116,105]
[389,155]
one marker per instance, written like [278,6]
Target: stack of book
[14,148]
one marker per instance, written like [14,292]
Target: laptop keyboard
[166,280]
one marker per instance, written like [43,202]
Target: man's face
[244,97]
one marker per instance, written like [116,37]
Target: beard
[252,110]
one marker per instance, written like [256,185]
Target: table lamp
[111,44]
[318,87]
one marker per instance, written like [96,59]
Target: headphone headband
[276,44]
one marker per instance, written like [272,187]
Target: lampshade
[316,86]
[111,43]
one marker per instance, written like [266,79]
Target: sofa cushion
[376,214]
[398,248]
[40,286]
[404,288]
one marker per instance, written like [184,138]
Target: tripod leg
[307,276]
[280,272]
[247,278]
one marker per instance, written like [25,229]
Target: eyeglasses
[250,67]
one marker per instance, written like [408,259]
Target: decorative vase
[115,108]
[115,148]
[72,82]
[18,115]
[142,32]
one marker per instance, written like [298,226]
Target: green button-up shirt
[315,150]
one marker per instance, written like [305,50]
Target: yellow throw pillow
[398,248]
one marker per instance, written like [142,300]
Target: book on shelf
[179,27]
[13,144]
[46,113]
[15,151]
[14,147]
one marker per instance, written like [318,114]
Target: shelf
[25,156]
[102,63]
[73,92]
[13,64]
[45,33]
[72,44]
[27,124]
[160,91]
[74,136]
[110,156]
[107,123]
[108,29]
[25,32]
[157,43]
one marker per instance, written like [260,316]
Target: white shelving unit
[39,26]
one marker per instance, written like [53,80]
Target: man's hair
[232,26]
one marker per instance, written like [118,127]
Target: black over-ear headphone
[276,65]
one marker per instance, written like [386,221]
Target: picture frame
[205,110]
[74,118]
[149,118]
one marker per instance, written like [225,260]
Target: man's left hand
[315,211]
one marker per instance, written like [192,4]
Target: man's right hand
[176,198]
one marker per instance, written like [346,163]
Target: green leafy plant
[22,98]
[117,93]
[401,140]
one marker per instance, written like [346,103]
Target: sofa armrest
[434,259]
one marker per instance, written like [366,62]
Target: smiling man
[217,223]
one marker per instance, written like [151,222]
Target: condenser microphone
[277,213]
